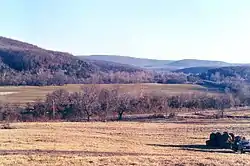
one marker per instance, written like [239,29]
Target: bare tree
[124,104]
[88,102]
[56,102]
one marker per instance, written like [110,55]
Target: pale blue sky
[161,29]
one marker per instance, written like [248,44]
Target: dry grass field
[119,143]
[24,94]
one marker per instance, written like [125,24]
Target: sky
[156,29]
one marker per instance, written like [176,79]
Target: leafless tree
[124,104]
[88,101]
[56,102]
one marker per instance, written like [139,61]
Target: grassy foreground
[118,143]
[24,94]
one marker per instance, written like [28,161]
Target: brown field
[119,143]
[24,94]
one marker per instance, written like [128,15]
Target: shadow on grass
[73,152]
[196,148]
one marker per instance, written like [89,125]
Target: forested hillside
[159,65]
[25,64]
[223,73]
[194,70]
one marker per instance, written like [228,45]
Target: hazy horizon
[164,59]
[153,29]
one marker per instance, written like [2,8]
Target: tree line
[96,103]
[59,77]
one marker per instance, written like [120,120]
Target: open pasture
[119,143]
[24,94]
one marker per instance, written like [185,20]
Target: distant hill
[140,62]
[223,73]
[107,66]
[233,78]
[160,65]
[26,64]
[194,70]
[187,63]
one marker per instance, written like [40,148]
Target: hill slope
[163,65]
[24,61]
[140,62]
[234,79]
[223,73]
[194,70]
[26,64]
[107,66]
[187,63]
